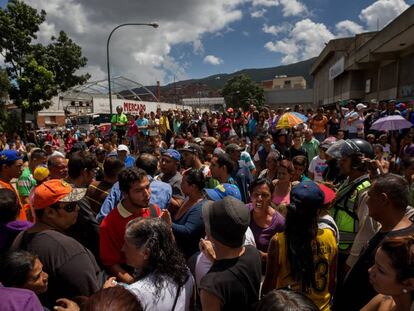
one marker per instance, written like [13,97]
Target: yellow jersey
[325,268]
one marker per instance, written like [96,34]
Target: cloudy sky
[197,38]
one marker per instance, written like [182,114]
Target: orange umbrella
[288,120]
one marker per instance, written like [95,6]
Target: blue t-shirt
[142,122]
[129,161]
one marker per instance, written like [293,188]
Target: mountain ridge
[217,81]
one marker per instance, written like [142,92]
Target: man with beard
[135,187]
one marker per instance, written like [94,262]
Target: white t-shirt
[351,128]
[156,123]
[317,167]
[145,291]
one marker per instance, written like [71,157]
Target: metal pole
[154,25]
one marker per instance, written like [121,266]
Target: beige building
[285,83]
[375,65]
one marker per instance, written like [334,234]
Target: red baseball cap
[328,192]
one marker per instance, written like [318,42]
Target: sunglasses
[71,207]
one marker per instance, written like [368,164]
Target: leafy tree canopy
[37,72]
[241,91]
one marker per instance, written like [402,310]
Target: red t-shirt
[112,231]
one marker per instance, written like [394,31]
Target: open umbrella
[391,123]
[288,120]
[301,116]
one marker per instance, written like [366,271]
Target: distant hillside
[217,81]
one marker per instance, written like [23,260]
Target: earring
[404,290]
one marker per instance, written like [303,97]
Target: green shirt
[116,118]
[312,148]
[25,183]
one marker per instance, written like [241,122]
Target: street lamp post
[154,25]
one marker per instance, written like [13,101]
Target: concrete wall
[288,98]
[48,121]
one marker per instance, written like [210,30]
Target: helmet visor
[342,149]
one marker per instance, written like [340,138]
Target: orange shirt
[23,211]
[318,126]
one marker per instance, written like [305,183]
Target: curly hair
[165,260]
[130,175]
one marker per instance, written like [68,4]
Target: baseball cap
[172,153]
[328,193]
[223,190]
[233,147]
[123,148]
[9,156]
[56,190]
[193,148]
[41,173]
[360,106]
[226,220]
[307,194]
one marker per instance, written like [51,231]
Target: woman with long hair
[392,275]
[303,257]
[163,282]
[187,224]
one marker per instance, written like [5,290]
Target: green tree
[4,85]
[37,72]
[241,91]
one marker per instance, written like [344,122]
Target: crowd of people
[181,210]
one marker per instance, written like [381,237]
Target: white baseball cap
[123,148]
[360,106]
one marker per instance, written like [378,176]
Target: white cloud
[275,30]
[305,40]
[381,12]
[246,33]
[267,3]
[348,28]
[258,13]
[198,47]
[293,8]
[289,7]
[140,53]
[212,60]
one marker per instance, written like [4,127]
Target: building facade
[285,83]
[370,66]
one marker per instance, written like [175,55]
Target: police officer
[349,208]
[119,123]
